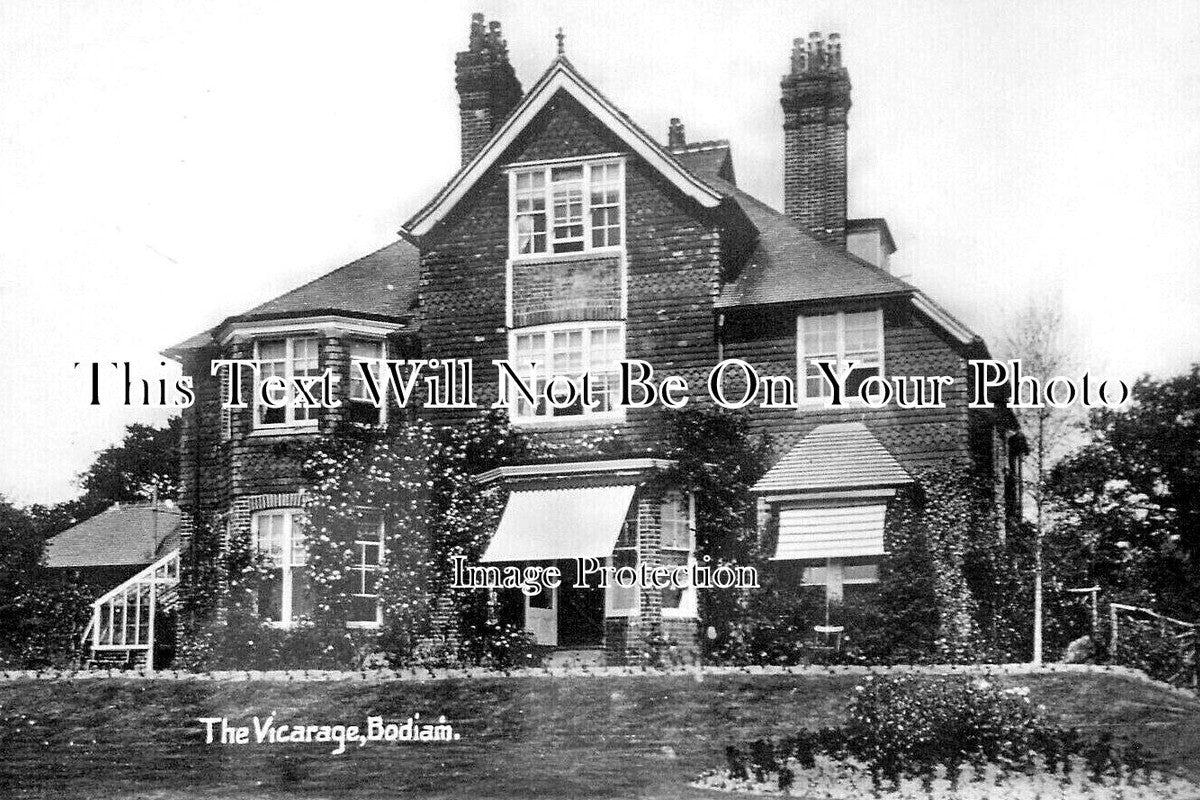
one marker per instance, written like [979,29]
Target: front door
[541,616]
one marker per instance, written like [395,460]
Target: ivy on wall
[940,590]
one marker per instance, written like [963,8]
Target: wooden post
[1112,639]
[150,623]
[1095,613]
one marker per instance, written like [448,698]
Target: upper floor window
[360,408]
[567,208]
[287,358]
[284,596]
[839,337]
[564,353]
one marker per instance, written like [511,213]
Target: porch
[595,522]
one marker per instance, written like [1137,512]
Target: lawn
[520,738]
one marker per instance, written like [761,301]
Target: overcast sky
[165,164]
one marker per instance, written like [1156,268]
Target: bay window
[287,359]
[360,409]
[563,354]
[284,596]
[566,208]
[839,338]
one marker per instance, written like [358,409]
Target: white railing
[123,618]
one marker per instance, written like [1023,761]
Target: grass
[521,738]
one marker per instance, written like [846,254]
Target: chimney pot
[676,139]
[487,85]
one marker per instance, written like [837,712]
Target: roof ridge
[700,147]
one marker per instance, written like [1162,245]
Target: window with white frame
[284,596]
[288,359]
[360,409]
[837,573]
[365,571]
[567,208]
[563,354]
[839,338]
[623,601]
[677,525]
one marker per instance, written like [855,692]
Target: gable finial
[562,38]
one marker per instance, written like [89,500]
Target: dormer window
[566,208]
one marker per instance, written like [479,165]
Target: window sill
[823,404]
[364,626]
[588,421]
[284,430]
[581,255]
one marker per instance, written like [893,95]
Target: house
[572,237]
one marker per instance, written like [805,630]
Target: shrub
[906,725]
[42,623]
[907,730]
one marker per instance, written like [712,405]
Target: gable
[561,77]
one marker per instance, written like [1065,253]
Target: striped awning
[844,529]
[549,524]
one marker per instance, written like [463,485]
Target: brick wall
[912,346]
[672,261]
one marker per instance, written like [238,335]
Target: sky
[166,164]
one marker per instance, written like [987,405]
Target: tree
[144,465]
[39,613]
[1132,496]
[20,553]
[1038,340]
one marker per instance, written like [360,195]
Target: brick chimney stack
[488,88]
[816,99]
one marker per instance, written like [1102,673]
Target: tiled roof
[707,160]
[788,265]
[122,535]
[382,284]
[843,455]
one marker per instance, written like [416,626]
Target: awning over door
[845,529]
[549,524]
